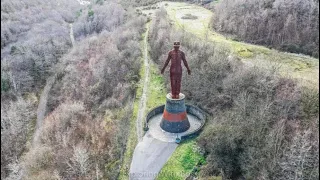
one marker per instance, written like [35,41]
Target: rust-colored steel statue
[176,56]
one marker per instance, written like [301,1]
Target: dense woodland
[261,126]
[34,36]
[289,25]
[93,89]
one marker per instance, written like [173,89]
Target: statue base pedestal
[174,118]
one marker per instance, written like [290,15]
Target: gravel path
[143,100]
[42,107]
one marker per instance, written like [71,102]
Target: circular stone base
[175,127]
[158,133]
[175,119]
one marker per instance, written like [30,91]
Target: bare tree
[16,119]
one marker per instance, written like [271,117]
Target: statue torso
[176,57]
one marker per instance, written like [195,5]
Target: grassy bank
[157,89]
[183,162]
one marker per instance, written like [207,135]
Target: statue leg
[175,89]
[172,81]
[176,83]
[179,84]
[175,79]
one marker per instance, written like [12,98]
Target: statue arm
[166,63]
[185,63]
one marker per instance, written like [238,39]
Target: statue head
[176,45]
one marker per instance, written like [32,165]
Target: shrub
[292,48]
[5,84]
[90,13]
[224,150]
[99,18]
[310,103]
[66,136]
[38,159]
[16,118]
[189,16]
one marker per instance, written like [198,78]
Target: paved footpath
[149,157]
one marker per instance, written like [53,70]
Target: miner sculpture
[176,56]
[174,118]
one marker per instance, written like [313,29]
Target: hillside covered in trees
[89,102]
[288,25]
[70,71]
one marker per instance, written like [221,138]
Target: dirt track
[143,100]
[42,107]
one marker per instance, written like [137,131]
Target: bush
[38,159]
[310,103]
[224,150]
[292,48]
[5,84]
[65,138]
[16,118]
[189,16]
[101,17]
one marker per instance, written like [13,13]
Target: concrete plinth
[174,118]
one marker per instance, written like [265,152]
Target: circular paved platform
[195,116]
